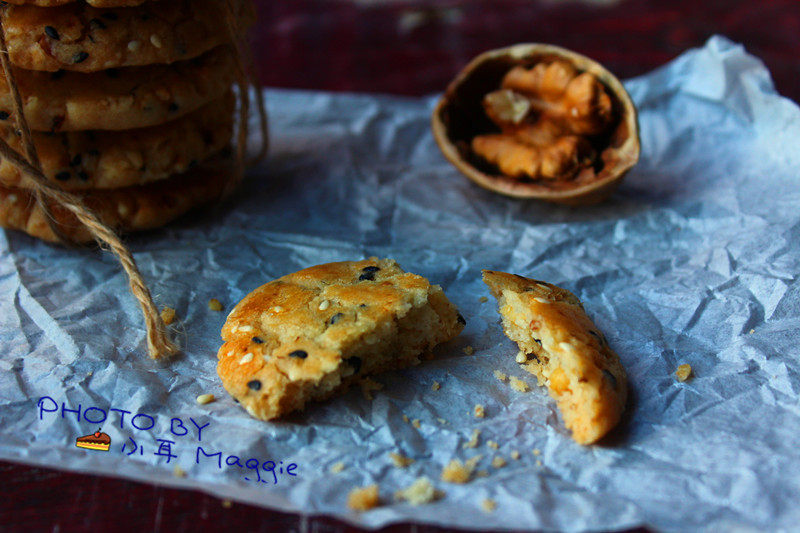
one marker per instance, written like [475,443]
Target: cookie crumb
[515,455]
[538,462]
[363,499]
[168,315]
[498,462]
[368,386]
[436,386]
[214,304]
[178,471]
[537,452]
[416,423]
[400,460]
[521,358]
[483,299]
[457,472]
[684,372]
[442,421]
[518,385]
[479,411]
[473,440]
[499,375]
[492,444]
[489,505]
[420,492]
[405,419]
[469,350]
[205,398]
[337,467]
[751,331]
[482,473]
[227,504]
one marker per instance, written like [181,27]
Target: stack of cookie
[130,104]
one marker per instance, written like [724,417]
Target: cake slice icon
[95,441]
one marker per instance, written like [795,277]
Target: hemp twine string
[158,343]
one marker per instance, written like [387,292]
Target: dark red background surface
[408,48]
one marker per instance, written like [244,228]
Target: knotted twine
[159,344]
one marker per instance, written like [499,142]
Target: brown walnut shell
[459,116]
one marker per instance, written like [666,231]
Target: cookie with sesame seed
[83,38]
[128,98]
[311,334]
[126,209]
[563,348]
[81,160]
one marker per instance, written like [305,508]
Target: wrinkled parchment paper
[694,260]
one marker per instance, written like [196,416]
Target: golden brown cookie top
[83,38]
[301,335]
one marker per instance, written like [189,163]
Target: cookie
[135,97]
[310,334]
[83,38]
[127,209]
[561,346]
[112,159]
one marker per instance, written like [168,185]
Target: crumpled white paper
[694,260]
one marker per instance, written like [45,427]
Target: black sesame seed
[4,115]
[255,384]
[172,107]
[461,320]
[335,318]
[80,57]
[610,377]
[76,161]
[110,16]
[370,269]
[97,24]
[362,306]
[355,362]
[57,75]
[235,400]
[258,340]
[538,341]
[63,176]
[51,32]
[300,354]
[83,176]
[534,357]
[367,276]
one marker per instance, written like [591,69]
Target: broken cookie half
[311,334]
[561,346]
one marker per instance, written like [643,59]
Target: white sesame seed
[123,210]
[156,41]
[324,304]
[542,300]
[246,329]
[205,398]
[12,198]
[134,46]
[246,358]
[277,309]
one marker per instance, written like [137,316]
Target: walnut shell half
[460,117]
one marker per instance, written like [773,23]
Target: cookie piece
[128,209]
[112,159]
[561,346]
[82,38]
[135,97]
[310,334]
